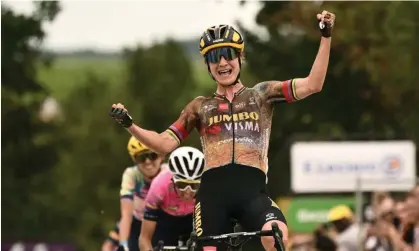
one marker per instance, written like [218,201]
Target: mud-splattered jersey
[163,196]
[237,131]
[133,186]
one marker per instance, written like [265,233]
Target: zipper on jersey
[230,106]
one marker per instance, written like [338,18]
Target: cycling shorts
[134,234]
[233,191]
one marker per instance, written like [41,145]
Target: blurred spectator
[410,215]
[378,232]
[395,226]
[323,240]
[347,231]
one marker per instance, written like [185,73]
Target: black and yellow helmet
[220,36]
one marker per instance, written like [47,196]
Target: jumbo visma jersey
[237,131]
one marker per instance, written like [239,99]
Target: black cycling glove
[121,116]
[326,25]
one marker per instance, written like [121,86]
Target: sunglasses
[140,158]
[214,55]
[182,185]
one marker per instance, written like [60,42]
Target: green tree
[90,169]
[28,149]
[161,83]
[370,88]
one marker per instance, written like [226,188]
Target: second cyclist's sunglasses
[214,55]
[142,157]
[182,185]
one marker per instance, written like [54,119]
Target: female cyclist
[235,125]
[170,200]
[135,184]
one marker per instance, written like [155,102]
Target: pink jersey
[162,195]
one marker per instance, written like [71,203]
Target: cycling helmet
[186,163]
[135,146]
[220,36]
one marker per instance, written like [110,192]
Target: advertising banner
[304,214]
[336,166]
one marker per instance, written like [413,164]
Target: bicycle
[180,247]
[161,247]
[236,240]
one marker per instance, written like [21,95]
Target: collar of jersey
[237,93]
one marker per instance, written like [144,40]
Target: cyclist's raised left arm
[299,88]
[314,81]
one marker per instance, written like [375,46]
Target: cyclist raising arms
[135,184]
[234,125]
[170,200]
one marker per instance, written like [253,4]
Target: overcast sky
[112,24]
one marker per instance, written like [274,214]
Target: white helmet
[186,163]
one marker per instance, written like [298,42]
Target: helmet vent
[212,34]
[222,31]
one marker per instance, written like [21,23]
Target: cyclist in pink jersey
[171,198]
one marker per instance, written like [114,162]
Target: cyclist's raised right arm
[168,140]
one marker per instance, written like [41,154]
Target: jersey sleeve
[278,91]
[128,184]
[154,198]
[187,121]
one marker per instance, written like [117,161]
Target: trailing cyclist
[171,198]
[234,125]
[135,185]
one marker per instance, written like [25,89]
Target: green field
[68,72]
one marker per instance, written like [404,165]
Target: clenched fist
[120,115]
[326,22]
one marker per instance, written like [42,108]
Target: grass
[67,73]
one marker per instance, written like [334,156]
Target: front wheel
[277,234]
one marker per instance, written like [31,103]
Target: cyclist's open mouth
[225,72]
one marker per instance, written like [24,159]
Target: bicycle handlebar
[275,232]
[238,234]
[174,248]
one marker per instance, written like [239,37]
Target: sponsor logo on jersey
[214,129]
[245,125]
[252,101]
[208,108]
[233,118]
[223,107]
[240,105]
[237,121]
[197,219]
